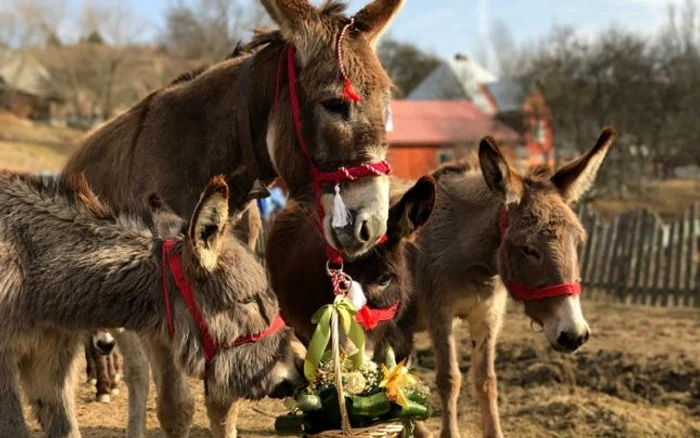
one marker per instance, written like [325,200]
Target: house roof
[456,78]
[509,94]
[438,122]
[22,72]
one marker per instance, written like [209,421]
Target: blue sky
[449,26]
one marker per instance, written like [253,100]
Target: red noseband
[524,293]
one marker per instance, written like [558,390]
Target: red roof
[439,122]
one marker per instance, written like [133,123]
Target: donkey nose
[368,230]
[571,341]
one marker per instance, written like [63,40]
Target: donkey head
[540,235]
[103,341]
[383,272]
[339,131]
[235,302]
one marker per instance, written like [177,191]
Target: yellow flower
[395,380]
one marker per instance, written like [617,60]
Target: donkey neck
[462,238]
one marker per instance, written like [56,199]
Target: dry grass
[29,147]
[668,198]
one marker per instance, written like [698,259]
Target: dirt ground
[639,376]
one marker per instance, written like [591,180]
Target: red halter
[173,260]
[522,292]
[319,177]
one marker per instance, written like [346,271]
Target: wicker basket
[384,430]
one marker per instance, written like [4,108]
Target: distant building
[521,106]
[515,102]
[26,86]
[458,78]
[427,133]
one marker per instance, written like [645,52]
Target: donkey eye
[337,106]
[247,301]
[384,279]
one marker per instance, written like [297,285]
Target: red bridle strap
[173,261]
[524,293]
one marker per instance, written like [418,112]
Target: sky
[446,27]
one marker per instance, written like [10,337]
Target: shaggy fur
[70,265]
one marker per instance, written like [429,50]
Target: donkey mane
[188,75]
[463,166]
[72,197]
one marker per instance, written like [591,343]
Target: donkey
[102,364]
[297,266]
[308,98]
[69,264]
[494,231]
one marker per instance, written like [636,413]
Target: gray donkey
[70,265]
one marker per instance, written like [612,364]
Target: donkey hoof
[114,391]
[104,398]
[91,382]
[117,378]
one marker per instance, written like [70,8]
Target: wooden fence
[637,259]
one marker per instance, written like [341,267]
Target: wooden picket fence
[637,259]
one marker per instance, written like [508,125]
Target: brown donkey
[70,265]
[236,118]
[297,266]
[494,230]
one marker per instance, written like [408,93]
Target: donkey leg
[48,379]
[175,404]
[116,360]
[112,372]
[449,377]
[485,321]
[136,377]
[11,417]
[223,418]
[104,384]
[90,364]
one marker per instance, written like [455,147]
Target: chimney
[461,56]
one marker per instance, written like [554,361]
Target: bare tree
[209,29]
[406,64]
[505,51]
[30,23]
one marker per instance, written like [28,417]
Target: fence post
[669,264]
[640,257]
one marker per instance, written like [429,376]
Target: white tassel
[356,296]
[341,215]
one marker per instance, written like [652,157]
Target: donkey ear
[289,14]
[576,178]
[376,17]
[209,222]
[501,179]
[412,211]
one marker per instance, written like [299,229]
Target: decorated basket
[348,394]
